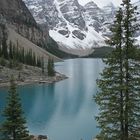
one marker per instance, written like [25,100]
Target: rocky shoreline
[39,137]
[28,75]
[36,80]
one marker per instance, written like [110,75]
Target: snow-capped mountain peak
[70,24]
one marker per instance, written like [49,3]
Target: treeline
[14,52]
[15,55]
[50,67]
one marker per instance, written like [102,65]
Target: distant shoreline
[36,80]
[27,75]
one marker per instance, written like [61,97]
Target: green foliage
[4,48]
[17,54]
[15,64]
[11,54]
[14,126]
[42,65]
[138,54]
[101,52]
[110,85]
[0,50]
[38,62]
[118,96]
[14,53]
[50,67]
[3,61]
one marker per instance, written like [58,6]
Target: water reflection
[64,110]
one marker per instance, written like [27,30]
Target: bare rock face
[67,20]
[79,34]
[15,14]
[15,11]
[93,15]
[80,26]
[72,12]
[63,32]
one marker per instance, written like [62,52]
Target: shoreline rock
[28,75]
[39,137]
[41,80]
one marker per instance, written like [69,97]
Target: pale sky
[102,3]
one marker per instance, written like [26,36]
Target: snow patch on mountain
[138,39]
[71,24]
[92,39]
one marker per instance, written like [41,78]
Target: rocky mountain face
[73,26]
[14,13]
[19,26]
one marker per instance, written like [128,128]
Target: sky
[102,3]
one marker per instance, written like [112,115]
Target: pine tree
[119,86]
[132,74]
[42,65]
[4,48]
[50,67]
[110,95]
[14,51]
[34,59]
[23,56]
[38,62]
[11,50]
[13,127]
[0,50]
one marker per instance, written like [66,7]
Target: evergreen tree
[3,62]
[11,50]
[4,48]
[38,62]
[110,95]
[13,127]
[132,74]
[119,86]
[42,65]
[14,51]
[50,67]
[0,50]
[17,54]
[23,56]
[34,59]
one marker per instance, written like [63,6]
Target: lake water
[64,110]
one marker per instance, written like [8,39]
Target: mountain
[16,14]
[18,25]
[77,29]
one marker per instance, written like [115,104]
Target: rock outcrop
[15,14]
[16,18]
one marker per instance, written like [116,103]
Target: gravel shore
[27,75]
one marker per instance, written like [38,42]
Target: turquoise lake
[64,110]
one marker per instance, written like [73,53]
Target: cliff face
[18,25]
[15,14]
[80,26]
